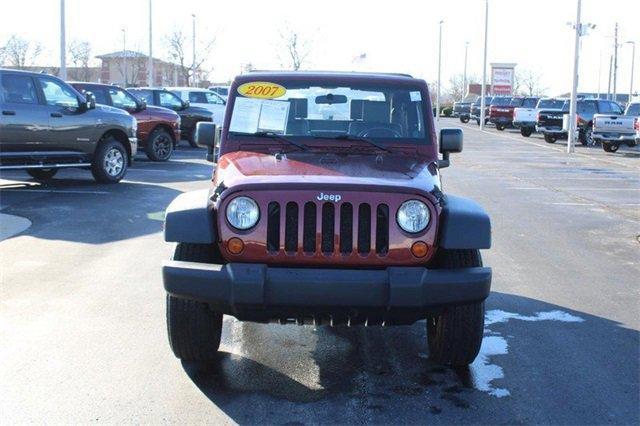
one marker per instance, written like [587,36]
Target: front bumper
[261,293]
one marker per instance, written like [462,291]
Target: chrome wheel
[113,162]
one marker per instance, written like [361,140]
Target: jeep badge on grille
[329,197]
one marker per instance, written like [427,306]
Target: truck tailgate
[525,115]
[604,123]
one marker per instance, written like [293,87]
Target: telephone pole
[439,69]
[464,79]
[63,43]
[150,81]
[193,65]
[574,88]
[483,92]
[615,63]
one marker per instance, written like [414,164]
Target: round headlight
[243,213]
[413,216]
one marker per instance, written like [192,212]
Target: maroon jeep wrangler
[327,207]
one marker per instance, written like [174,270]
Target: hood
[156,110]
[107,108]
[192,109]
[388,172]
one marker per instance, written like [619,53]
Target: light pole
[193,65]
[124,56]
[63,43]
[439,70]
[633,61]
[150,65]
[464,78]
[483,91]
[574,88]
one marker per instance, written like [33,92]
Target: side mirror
[89,102]
[206,138]
[185,104]
[142,105]
[450,142]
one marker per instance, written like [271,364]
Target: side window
[121,99]
[587,107]
[169,100]
[198,98]
[18,89]
[605,107]
[616,109]
[98,93]
[145,95]
[213,98]
[57,93]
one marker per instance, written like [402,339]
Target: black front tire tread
[97,166]
[194,330]
[151,154]
[42,174]
[455,336]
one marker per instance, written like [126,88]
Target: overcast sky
[397,35]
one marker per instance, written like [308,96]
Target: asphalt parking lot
[83,329]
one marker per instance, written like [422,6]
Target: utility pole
[574,88]
[599,72]
[63,43]
[150,81]
[483,92]
[615,63]
[124,56]
[464,78]
[439,69]
[609,83]
[193,65]
[633,62]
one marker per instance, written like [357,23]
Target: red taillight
[538,117]
[636,124]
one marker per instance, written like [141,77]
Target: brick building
[129,68]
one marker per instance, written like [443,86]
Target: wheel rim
[589,137]
[113,162]
[162,146]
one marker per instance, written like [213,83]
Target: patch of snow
[482,370]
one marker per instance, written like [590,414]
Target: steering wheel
[367,132]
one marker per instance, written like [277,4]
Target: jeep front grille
[328,234]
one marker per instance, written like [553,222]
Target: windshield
[313,110]
[205,98]
[501,101]
[529,103]
[551,103]
[516,102]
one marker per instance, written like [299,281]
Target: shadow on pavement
[552,371]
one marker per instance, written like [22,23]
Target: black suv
[189,115]
[46,125]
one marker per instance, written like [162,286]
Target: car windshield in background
[205,98]
[551,103]
[516,102]
[501,101]
[529,103]
[387,113]
[634,109]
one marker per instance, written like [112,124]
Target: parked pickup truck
[47,125]
[158,128]
[524,116]
[613,130]
[326,207]
[474,112]
[502,116]
[462,110]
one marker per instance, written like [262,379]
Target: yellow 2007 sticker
[261,90]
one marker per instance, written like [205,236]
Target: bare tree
[80,55]
[177,50]
[528,83]
[456,89]
[296,49]
[20,53]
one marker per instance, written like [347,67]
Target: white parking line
[598,189]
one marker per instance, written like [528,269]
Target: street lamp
[483,91]
[150,65]
[63,43]
[124,56]
[633,60]
[193,65]
[464,78]
[439,70]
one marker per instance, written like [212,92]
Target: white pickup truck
[526,117]
[613,130]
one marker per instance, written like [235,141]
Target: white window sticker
[245,116]
[415,96]
[273,116]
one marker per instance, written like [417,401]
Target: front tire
[42,174]
[610,147]
[550,139]
[455,335]
[500,127]
[194,329]
[526,131]
[110,161]
[464,119]
[159,145]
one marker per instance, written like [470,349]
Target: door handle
[8,113]
[56,114]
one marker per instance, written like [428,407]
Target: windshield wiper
[348,137]
[281,138]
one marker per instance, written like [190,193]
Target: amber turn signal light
[419,249]
[235,246]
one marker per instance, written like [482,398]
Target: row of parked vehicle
[47,124]
[599,121]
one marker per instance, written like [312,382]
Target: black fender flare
[463,224]
[191,218]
